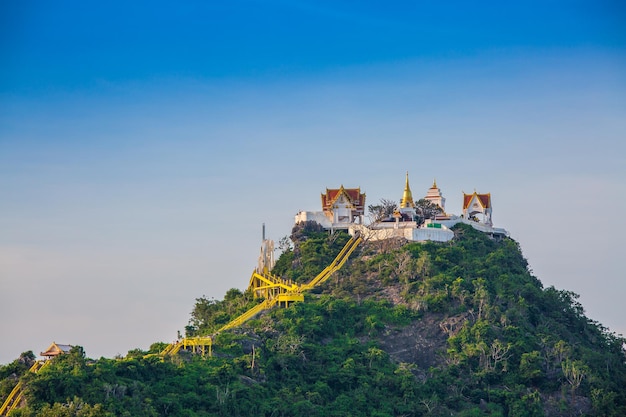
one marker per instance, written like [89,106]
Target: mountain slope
[458,328]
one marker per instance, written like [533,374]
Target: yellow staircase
[199,344]
[274,290]
[265,305]
[267,285]
[278,291]
[335,265]
[16,396]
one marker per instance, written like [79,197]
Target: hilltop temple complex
[422,220]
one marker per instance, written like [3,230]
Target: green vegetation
[459,328]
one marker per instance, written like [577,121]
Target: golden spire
[434,183]
[407,197]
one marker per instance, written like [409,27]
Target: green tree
[427,209]
[382,211]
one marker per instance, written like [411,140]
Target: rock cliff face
[422,343]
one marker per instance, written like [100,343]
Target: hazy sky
[143,145]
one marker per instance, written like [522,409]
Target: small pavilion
[474,204]
[56,349]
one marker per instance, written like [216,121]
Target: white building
[341,207]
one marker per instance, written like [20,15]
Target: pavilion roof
[484,199]
[56,349]
[353,195]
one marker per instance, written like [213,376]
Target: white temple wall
[432,234]
[316,216]
[409,233]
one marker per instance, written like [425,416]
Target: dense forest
[460,328]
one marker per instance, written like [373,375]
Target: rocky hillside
[404,329]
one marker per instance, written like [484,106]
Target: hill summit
[457,328]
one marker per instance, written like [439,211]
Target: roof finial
[434,183]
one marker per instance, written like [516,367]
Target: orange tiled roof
[485,199]
[354,195]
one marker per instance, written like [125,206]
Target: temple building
[344,208]
[341,207]
[344,205]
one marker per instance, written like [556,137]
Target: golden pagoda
[407,197]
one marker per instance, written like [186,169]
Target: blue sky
[142,146]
